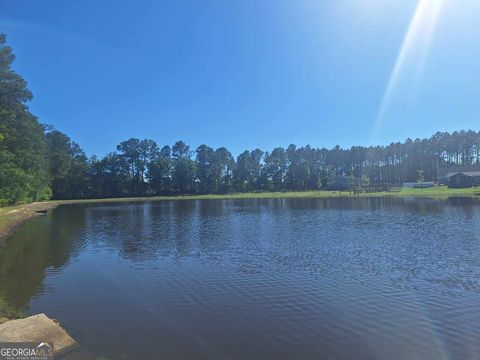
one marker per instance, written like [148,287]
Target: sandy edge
[11,220]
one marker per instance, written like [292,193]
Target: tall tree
[130,151]
[205,160]
[23,160]
[183,168]
[148,152]
[160,172]
[223,170]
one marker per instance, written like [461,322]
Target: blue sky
[248,73]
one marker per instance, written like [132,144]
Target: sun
[413,52]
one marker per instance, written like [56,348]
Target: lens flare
[412,56]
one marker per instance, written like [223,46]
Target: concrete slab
[38,328]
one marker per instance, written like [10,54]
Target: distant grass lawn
[437,191]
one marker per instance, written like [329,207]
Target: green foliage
[23,170]
[140,169]
[184,168]
[68,167]
[420,176]
[365,181]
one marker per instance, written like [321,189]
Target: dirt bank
[11,218]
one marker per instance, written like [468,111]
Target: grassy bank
[7,312]
[433,192]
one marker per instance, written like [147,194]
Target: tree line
[38,162]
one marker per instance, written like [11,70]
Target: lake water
[380,278]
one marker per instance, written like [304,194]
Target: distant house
[463,180]
[460,176]
[341,182]
[445,174]
[419,185]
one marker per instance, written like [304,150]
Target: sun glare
[412,56]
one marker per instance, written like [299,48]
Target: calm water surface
[393,278]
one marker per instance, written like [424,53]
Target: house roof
[449,171]
[467,173]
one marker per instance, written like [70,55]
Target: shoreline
[12,217]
